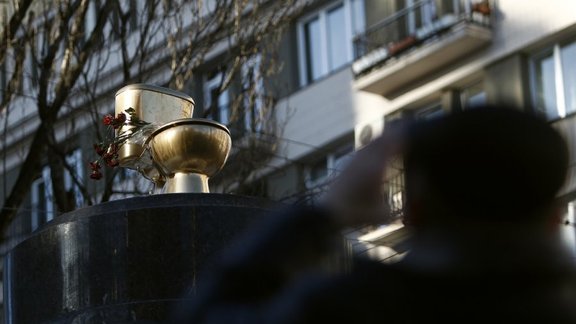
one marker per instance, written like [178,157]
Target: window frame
[567,234]
[427,11]
[473,95]
[74,159]
[555,50]
[335,161]
[354,23]
[253,114]
[211,83]
[47,208]
[430,111]
[45,213]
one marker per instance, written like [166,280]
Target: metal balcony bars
[416,23]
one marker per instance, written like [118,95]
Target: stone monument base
[123,261]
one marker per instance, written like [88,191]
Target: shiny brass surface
[189,151]
[128,153]
[152,104]
[153,174]
[187,183]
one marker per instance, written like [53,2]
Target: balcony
[417,41]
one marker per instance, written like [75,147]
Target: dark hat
[488,161]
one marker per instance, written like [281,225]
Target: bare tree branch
[79,65]
[9,34]
[49,111]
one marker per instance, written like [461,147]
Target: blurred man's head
[485,164]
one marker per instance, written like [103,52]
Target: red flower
[112,163]
[108,120]
[113,149]
[96,175]
[121,118]
[95,166]
[99,149]
[108,149]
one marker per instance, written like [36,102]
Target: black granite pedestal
[123,261]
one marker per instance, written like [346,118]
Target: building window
[34,67]
[568,232]
[216,101]
[325,38]
[74,160]
[395,187]
[319,172]
[254,94]
[137,8]
[554,80]
[430,112]
[420,14]
[42,200]
[90,19]
[473,96]
[43,209]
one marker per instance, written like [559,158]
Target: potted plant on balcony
[402,45]
[482,7]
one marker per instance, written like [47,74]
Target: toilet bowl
[188,151]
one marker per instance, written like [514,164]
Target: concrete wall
[318,113]
[285,182]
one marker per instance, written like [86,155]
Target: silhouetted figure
[480,200]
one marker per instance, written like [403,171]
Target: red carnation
[99,149]
[96,175]
[121,118]
[114,148]
[95,166]
[108,120]
[112,163]
[108,149]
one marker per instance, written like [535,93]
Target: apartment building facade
[419,59]
[353,66]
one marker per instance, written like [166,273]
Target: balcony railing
[414,25]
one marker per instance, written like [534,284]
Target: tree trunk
[30,169]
